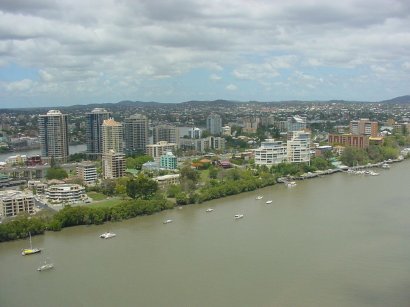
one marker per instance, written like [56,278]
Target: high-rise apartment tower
[136,133]
[95,119]
[53,131]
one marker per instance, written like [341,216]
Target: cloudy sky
[87,51]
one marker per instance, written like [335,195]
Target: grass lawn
[106,203]
[204,177]
[96,196]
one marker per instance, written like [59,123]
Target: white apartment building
[270,153]
[87,172]
[204,144]
[298,147]
[13,202]
[66,193]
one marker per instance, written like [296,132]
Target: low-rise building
[167,180]
[87,172]
[168,161]
[358,141]
[320,150]
[159,149]
[204,144]
[13,202]
[37,186]
[16,160]
[66,193]
[150,166]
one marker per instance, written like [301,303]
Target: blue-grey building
[93,132]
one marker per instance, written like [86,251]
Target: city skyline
[71,52]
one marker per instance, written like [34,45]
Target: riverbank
[337,170]
[126,209]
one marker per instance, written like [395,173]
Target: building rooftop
[111,122]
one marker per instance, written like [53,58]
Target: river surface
[72,150]
[339,240]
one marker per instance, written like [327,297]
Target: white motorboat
[209,210]
[269,202]
[107,235]
[385,166]
[291,184]
[238,216]
[259,197]
[45,266]
[167,221]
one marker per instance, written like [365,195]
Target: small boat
[167,221]
[269,202]
[385,166]
[45,266]
[259,197]
[107,235]
[31,250]
[291,184]
[238,216]
[209,210]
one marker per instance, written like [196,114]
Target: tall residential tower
[112,134]
[53,130]
[214,124]
[94,123]
[136,133]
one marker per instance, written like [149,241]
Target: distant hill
[219,102]
[399,100]
[130,103]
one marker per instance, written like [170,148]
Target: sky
[67,52]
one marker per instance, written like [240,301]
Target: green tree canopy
[141,187]
[56,173]
[138,161]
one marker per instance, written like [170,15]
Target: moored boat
[167,221]
[209,210]
[31,250]
[45,266]
[107,235]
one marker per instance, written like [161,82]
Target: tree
[352,156]
[108,187]
[320,163]
[173,190]
[77,157]
[56,173]
[121,185]
[189,173]
[213,173]
[142,187]
[137,161]
[132,188]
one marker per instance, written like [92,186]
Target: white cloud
[128,42]
[19,86]
[231,87]
[215,77]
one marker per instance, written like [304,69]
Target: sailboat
[31,250]
[45,266]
